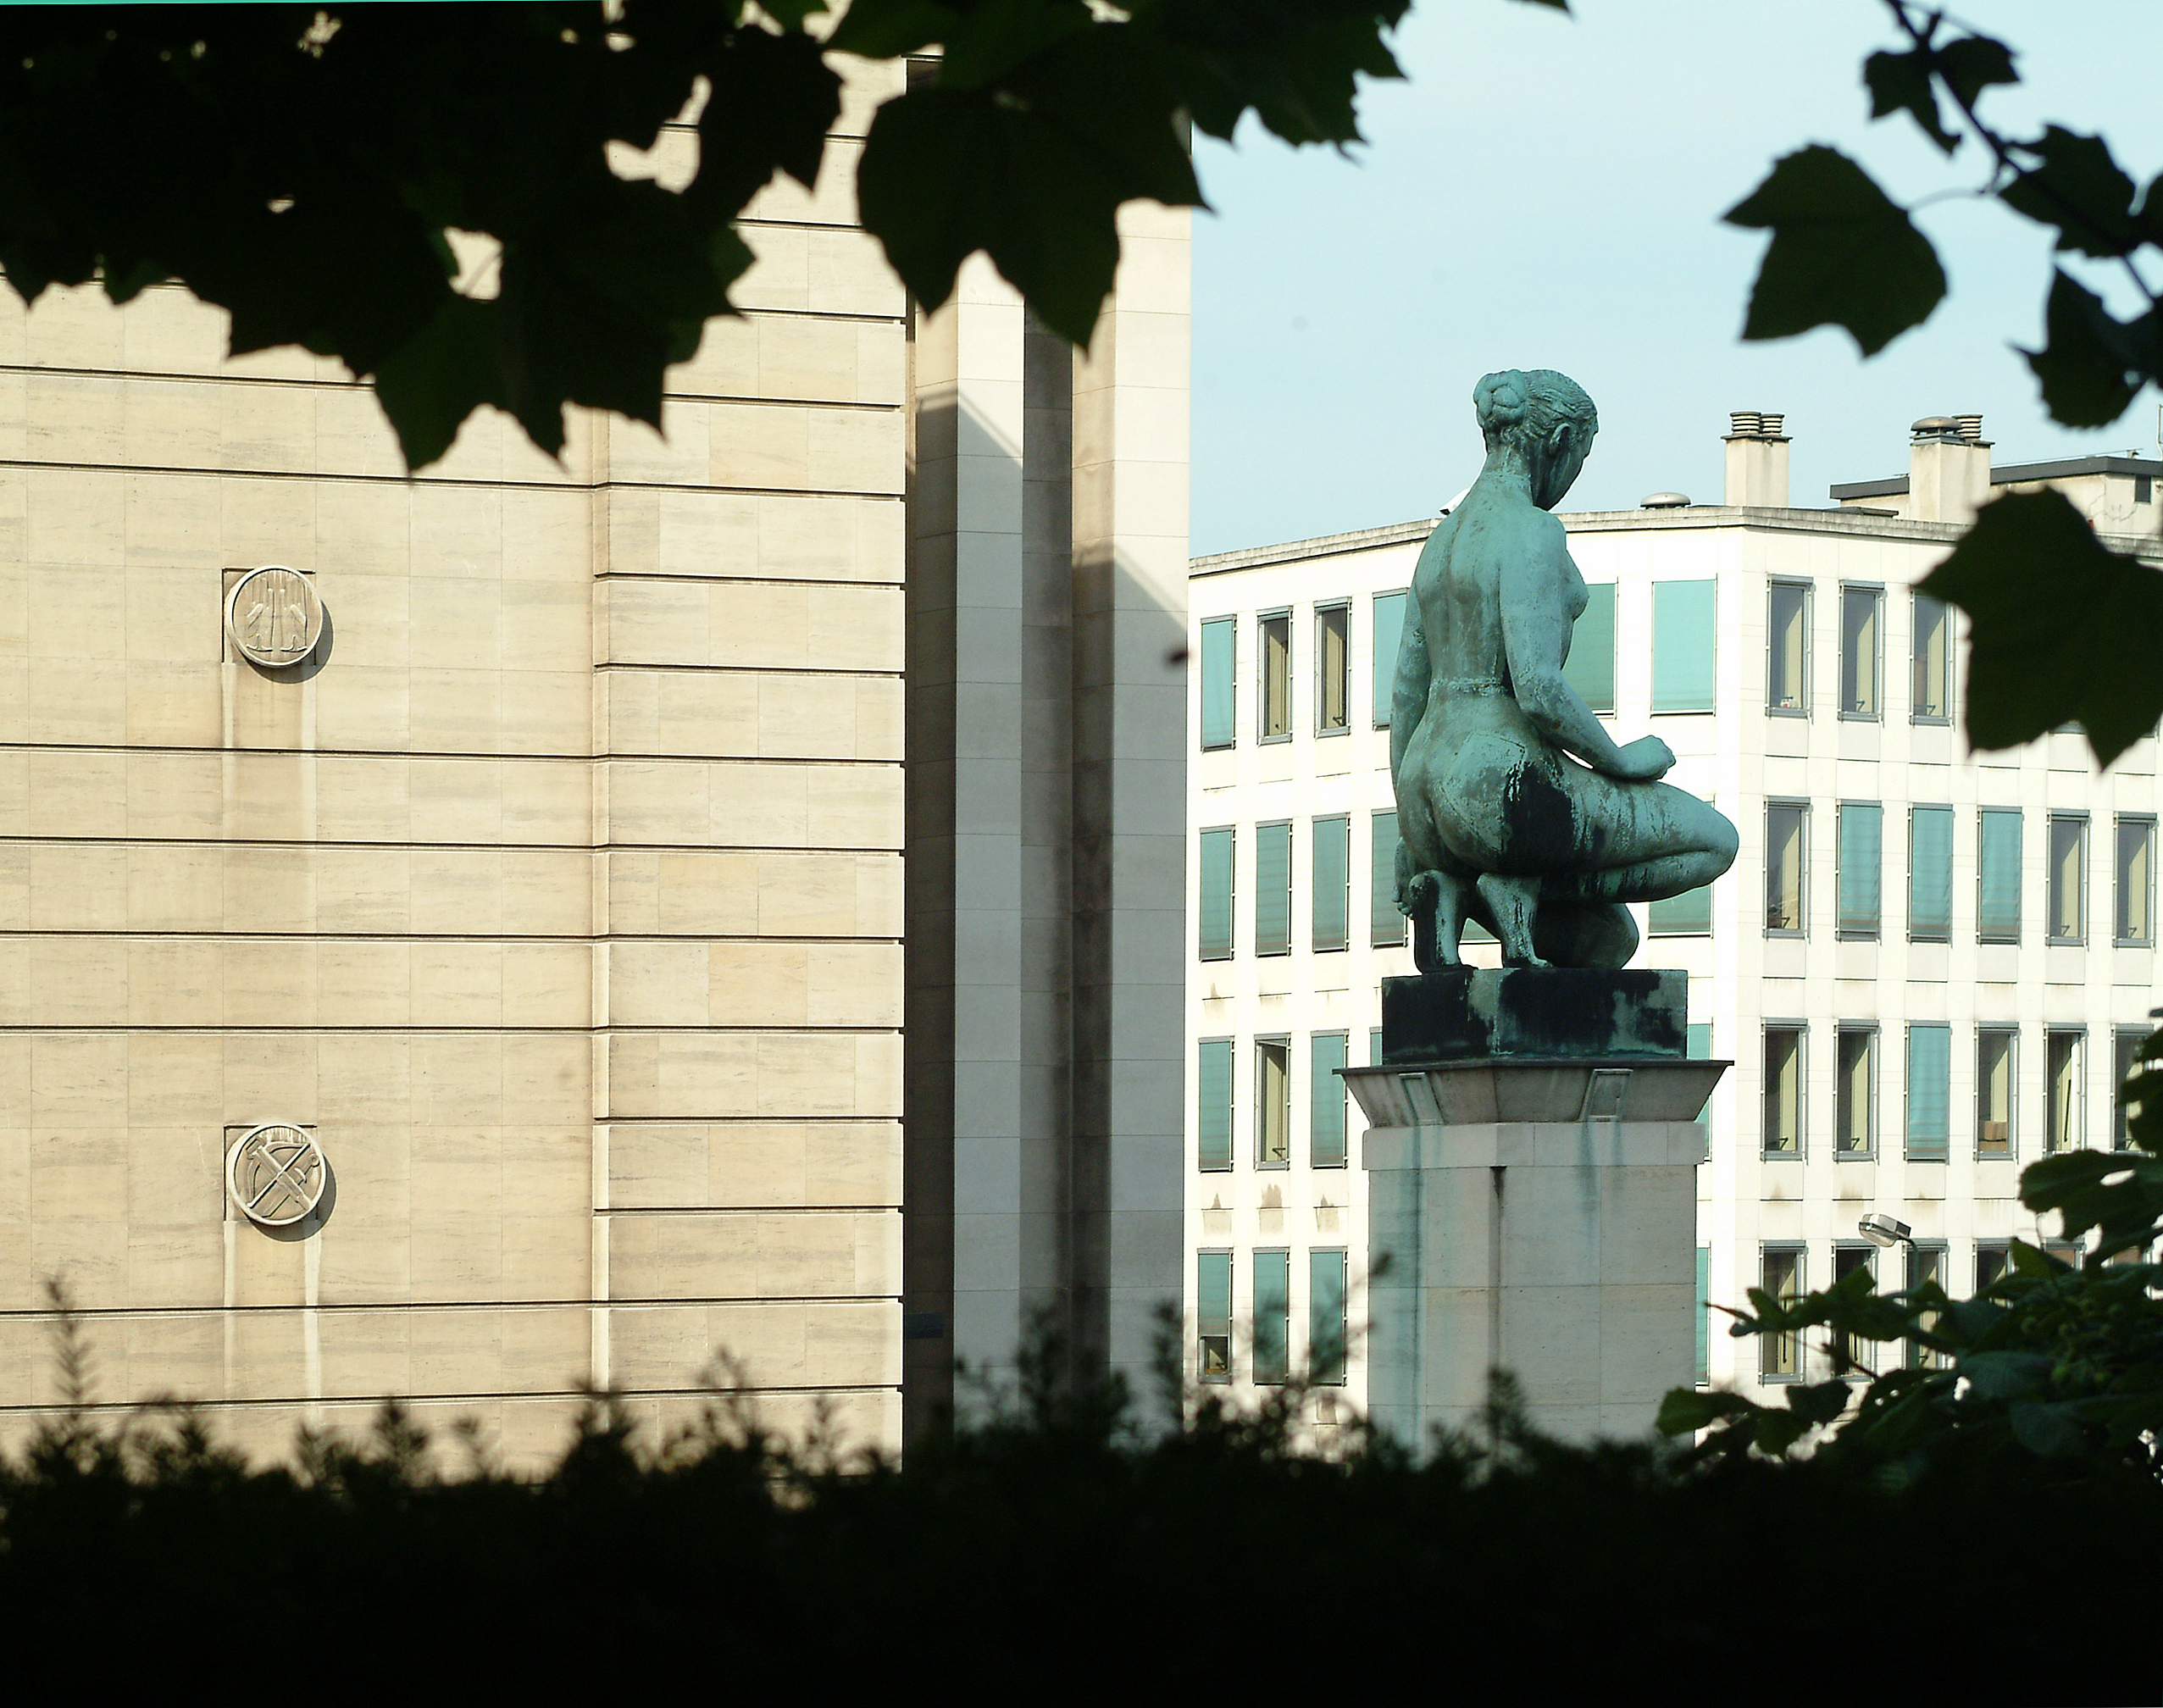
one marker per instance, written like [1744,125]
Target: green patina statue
[1499,820]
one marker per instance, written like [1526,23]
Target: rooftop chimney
[1948,468]
[1757,460]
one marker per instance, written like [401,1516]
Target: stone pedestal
[1533,1197]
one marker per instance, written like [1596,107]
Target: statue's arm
[1536,639]
[1408,689]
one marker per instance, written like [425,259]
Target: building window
[1328,1321]
[1590,667]
[1783,1092]
[1682,646]
[1385,925]
[1216,863]
[1860,608]
[1848,1260]
[1992,1262]
[2125,1062]
[1326,1054]
[1220,682]
[2061,1082]
[1934,661]
[1686,915]
[1331,872]
[1782,1276]
[1930,874]
[1993,1090]
[1704,1369]
[1997,875]
[1930,1092]
[1927,1265]
[1274,702]
[1213,1292]
[1859,867]
[1787,665]
[2066,918]
[1213,1106]
[1855,1093]
[1273,1102]
[1273,888]
[2135,903]
[1786,824]
[1374,1046]
[1272,1317]
[1388,636]
[1332,667]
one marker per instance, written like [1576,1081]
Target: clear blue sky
[1546,192]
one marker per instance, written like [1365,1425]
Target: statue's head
[1544,416]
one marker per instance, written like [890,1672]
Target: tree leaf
[1684,1411]
[437,379]
[1972,63]
[2077,187]
[2004,1375]
[1843,254]
[1294,64]
[2050,1430]
[2093,364]
[2061,627]
[1905,82]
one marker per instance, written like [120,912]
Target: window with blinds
[1272,1317]
[1859,867]
[1934,661]
[2134,912]
[1326,1099]
[1930,874]
[1273,697]
[2066,905]
[1273,888]
[1930,1092]
[1212,1290]
[1385,925]
[1787,663]
[1997,875]
[1590,667]
[1212,1123]
[1683,646]
[1993,1090]
[1329,870]
[1861,616]
[1332,665]
[1272,1103]
[1220,682]
[1216,909]
[1389,635]
[1328,1319]
[1787,823]
[1686,915]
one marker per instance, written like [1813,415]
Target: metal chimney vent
[1744,423]
[1970,428]
[1665,501]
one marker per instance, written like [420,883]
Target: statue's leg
[1515,904]
[1572,932]
[1438,916]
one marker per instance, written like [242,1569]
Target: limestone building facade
[1927,965]
[566,892]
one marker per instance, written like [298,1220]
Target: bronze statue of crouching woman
[1514,807]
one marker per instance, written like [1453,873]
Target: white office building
[1928,965]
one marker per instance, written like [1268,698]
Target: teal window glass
[1219,682]
[1213,1292]
[1686,915]
[1930,1092]
[1697,1045]
[1682,646]
[1213,1104]
[1859,876]
[1385,925]
[1331,875]
[1326,1124]
[1216,846]
[1326,1318]
[1930,874]
[1273,888]
[1272,1316]
[1590,667]
[1388,634]
[1704,1313]
[1374,1046]
[1997,875]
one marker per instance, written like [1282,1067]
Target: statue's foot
[1436,905]
[1515,903]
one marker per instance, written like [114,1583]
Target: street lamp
[1885,1231]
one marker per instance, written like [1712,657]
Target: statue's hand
[1645,759]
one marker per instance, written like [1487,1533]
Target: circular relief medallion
[276,1175]
[273,616]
